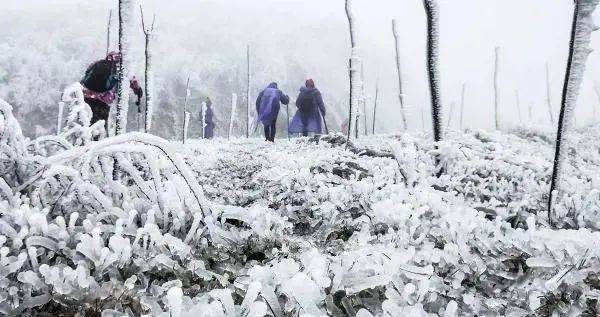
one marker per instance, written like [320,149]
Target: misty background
[47,44]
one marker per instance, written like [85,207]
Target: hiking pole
[287,110]
[324,122]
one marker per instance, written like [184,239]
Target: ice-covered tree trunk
[581,32]
[548,95]
[375,106]
[185,111]
[248,86]
[399,71]
[202,116]
[149,73]
[353,67]
[125,19]
[108,27]
[462,105]
[234,98]
[186,125]
[433,34]
[496,96]
[518,100]
[61,109]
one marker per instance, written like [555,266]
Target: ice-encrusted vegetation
[136,225]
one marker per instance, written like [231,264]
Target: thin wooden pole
[108,31]
[496,96]
[375,105]
[399,70]
[548,94]
[185,104]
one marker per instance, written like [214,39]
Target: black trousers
[270,130]
[100,111]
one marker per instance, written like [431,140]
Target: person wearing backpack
[99,86]
[268,105]
[311,111]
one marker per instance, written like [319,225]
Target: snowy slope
[305,227]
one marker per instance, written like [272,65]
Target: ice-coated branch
[433,34]
[399,71]
[125,17]
[579,49]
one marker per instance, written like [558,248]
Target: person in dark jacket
[267,108]
[99,86]
[209,125]
[311,111]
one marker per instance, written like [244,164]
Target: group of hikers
[101,78]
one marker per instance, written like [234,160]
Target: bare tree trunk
[352,67]
[398,68]
[202,117]
[597,90]
[579,50]
[548,94]
[232,114]
[375,105]
[363,96]
[530,109]
[108,32]
[248,84]
[496,96]
[148,73]
[185,111]
[186,125]
[450,114]
[432,11]
[518,100]
[462,105]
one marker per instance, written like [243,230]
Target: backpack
[100,76]
[306,102]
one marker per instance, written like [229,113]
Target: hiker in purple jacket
[209,125]
[267,107]
[311,111]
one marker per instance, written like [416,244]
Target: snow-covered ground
[137,225]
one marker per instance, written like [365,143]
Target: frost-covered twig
[352,68]
[248,87]
[375,105]
[581,32]
[462,105]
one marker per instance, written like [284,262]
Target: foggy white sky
[529,32]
